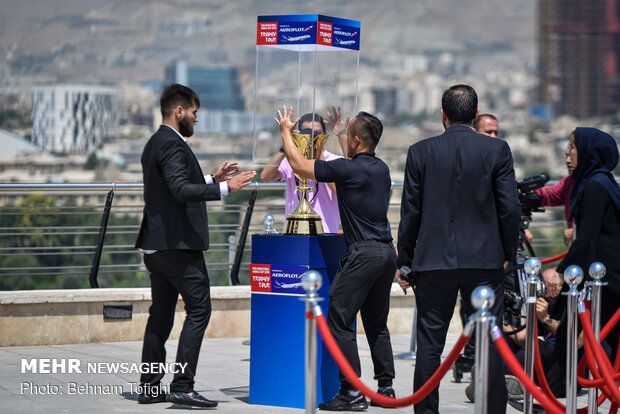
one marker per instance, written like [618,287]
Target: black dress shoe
[151,399]
[195,399]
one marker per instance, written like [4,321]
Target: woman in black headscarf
[595,206]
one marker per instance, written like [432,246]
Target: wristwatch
[548,322]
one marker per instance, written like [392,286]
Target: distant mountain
[110,40]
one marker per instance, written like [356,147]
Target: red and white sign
[325,34]
[260,277]
[267,33]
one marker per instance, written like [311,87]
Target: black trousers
[609,305]
[436,294]
[174,272]
[362,284]
[554,367]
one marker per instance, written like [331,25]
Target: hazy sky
[18,14]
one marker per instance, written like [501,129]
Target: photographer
[558,195]
[551,315]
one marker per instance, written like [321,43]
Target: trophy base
[309,226]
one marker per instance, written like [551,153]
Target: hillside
[108,40]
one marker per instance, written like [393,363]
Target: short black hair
[368,128]
[312,118]
[460,103]
[174,95]
[477,121]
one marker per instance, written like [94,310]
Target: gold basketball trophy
[304,220]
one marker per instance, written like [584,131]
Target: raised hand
[225,171]
[284,120]
[337,125]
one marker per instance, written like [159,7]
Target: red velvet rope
[544,396]
[354,380]
[604,365]
[542,380]
[589,357]
[588,360]
[598,381]
[517,370]
[604,332]
[553,258]
[540,374]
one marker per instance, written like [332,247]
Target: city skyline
[104,42]
[409,54]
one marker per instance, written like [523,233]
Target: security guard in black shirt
[364,278]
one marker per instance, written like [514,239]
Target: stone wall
[49,317]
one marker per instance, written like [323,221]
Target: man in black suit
[459,224]
[173,235]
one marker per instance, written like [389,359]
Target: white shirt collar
[178,133]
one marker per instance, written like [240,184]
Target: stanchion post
[532,268]
[311,281]
[573,275]
[482,298]
[268,221]
[597,272]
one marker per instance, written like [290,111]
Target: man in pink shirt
[324,202]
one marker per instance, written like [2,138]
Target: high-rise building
[73,118]
[579,56]
[391,100]
[222,107]
[217,86]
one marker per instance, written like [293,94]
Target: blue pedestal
[278,317]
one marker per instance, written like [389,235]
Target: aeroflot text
[74,366]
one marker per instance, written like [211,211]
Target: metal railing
[75,235]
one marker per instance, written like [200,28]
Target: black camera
[408,275]
[529,184]
[513,304]
[530,201]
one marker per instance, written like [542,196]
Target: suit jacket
[175,212]
[460,208]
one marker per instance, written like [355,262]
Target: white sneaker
[514,387]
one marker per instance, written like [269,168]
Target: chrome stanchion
[413,341]
[532,268]
[573,275]
[268,221]
[482,298]
[311,281]
[597,272]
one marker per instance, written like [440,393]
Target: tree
[50,238]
